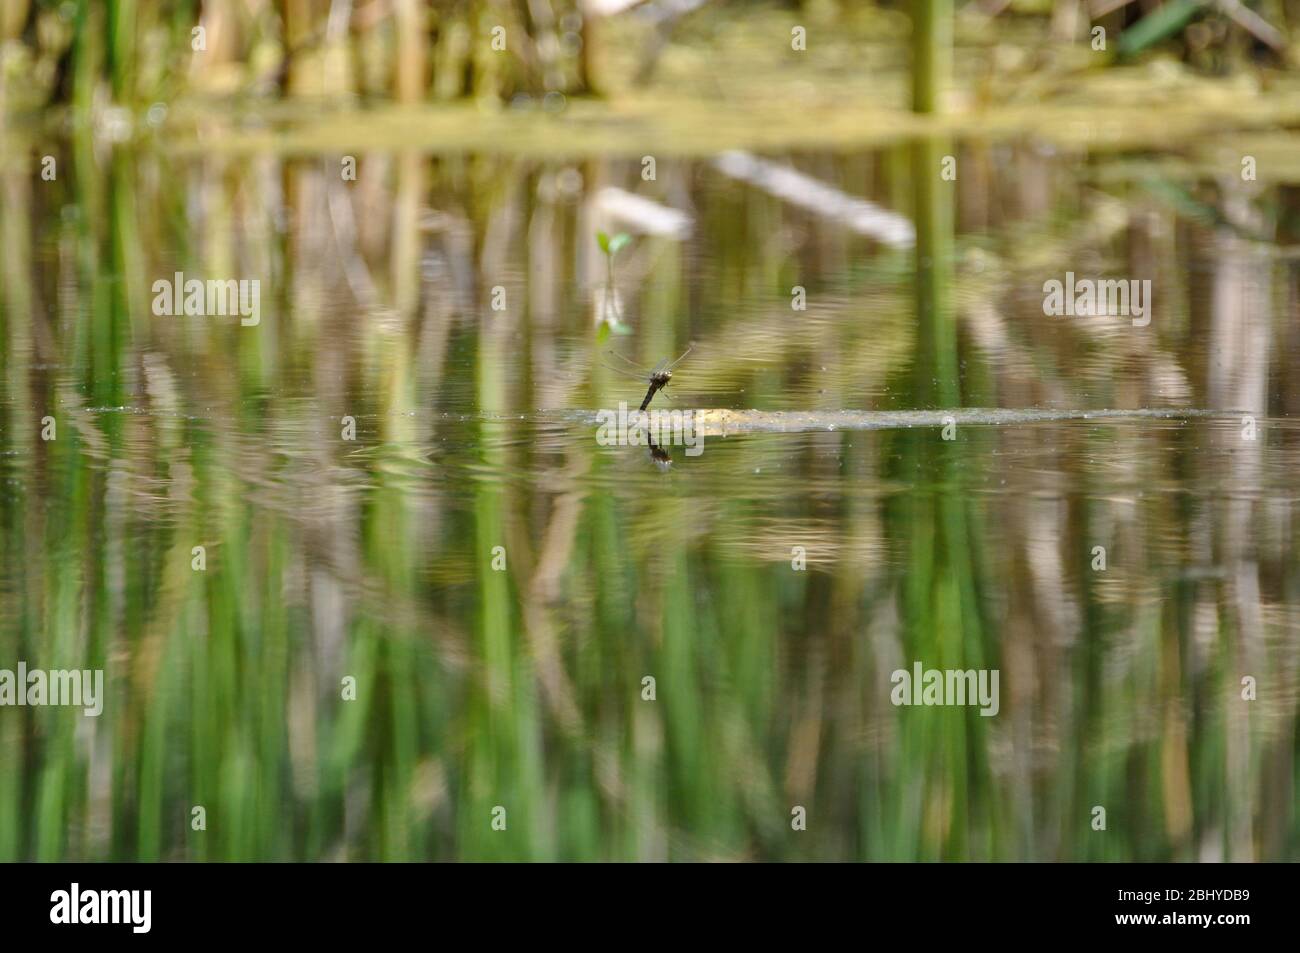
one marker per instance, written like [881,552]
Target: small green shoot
[612,319]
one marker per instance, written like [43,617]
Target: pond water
[364,584]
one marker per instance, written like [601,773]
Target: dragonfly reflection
[661,458]
[657,378]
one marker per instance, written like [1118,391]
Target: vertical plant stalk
[937,381]
[931,54]
[122,51]
[409,82]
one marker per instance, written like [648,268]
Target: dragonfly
[657,378]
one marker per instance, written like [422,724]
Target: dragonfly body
[657,383]
[657,379]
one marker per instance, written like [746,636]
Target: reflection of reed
[329,558]
[1241,321]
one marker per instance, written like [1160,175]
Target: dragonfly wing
[632,364]
[682,358]
[624,372]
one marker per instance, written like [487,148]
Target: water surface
[769,586]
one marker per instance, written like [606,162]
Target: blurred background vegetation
[371,558]
[129,52]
